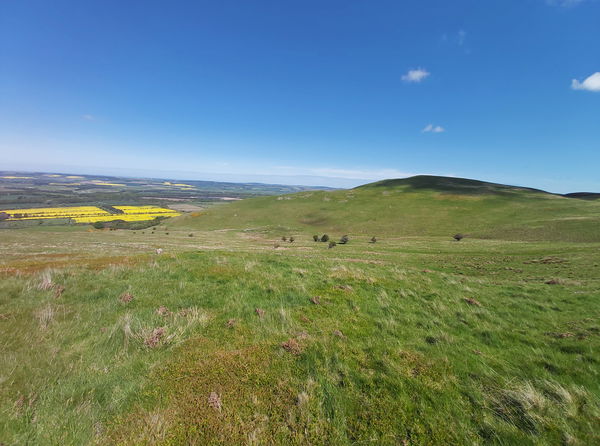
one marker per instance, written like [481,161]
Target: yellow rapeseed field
[91,214]
[145,210]
[60,212]
[102,183]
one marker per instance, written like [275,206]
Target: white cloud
[462,37]
[430,128]
[88,117]
[415,75]
[592,83]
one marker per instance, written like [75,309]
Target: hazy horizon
[287,180]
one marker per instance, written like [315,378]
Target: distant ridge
[452,184]
[420,206]
[584,195]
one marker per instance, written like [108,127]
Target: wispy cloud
[592,83]
[416,75]
[368,174]
[564,3]
[462,37]
[430,128]
[88,117]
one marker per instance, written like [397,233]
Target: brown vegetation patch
[338,333]
[214,401]
[316,300]
[472,301]
[547,260]
[292,346]
[231,323]
[154,339]
[58,290]
[260,312]
[126,297]
[163,311]
[567,334]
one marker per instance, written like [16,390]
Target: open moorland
[218,328]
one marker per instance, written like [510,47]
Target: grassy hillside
[228,335]
[418,341]
[418,206]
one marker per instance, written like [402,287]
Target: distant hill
[452,185]
[584,195]
[416,206]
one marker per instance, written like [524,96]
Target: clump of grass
[45,316]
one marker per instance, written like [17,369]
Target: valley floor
[225,339]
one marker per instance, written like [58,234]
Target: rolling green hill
[416,206]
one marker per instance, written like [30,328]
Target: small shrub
[345,239]
[332,244]
[316,238]
[276,245]
[373,239]
[284,239]
[98,225]
[190,235]
[292,239]
[458,237]
[325,238]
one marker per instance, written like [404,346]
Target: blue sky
[314,92]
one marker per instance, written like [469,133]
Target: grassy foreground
[410,341]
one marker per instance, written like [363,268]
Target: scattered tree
[458,237]
[344,240]
[325,238]
[292,239]
[332,244]
[98,225]
[190,235]
[373,239]
[316,238]
[284,239]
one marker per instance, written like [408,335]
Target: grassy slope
[415,364]
[416,207]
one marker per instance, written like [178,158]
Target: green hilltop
[416,206]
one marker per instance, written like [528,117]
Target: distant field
[27,190]
[89,214]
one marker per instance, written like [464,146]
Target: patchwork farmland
[89,214]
